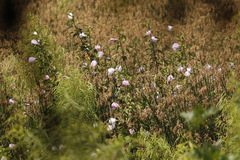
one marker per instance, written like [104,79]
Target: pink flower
[170,28]
[170,78]
[35,42]
[148,33]
[175,47]
[100,54]
[115,105]
[27,104]
[180,69]
[31,59]
[208,68]
[112,39]
[154,39]
[11,101]
[131,131]
[177,87]
[81,35]
[97,47]
[110,71]
[47,77]
[12,146]
[93,63]
[219,69]
[125,83]
[119,68]
[187,74]
[70,16]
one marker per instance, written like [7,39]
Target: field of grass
[121,80]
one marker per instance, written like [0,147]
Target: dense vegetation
[72,93]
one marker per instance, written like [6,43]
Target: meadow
[121,80]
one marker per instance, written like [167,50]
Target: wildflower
[70,16]
[153,84]
[154,39]
[81,35]
[175,47]
[11,101]
[115,105]
[31,59]
[44,92]
[170,78]
[219,70]
[189,69]
[110,127]
[100,54]
[112,121]
[27,104]
[54,148]
[112,39]
[125,83]
[47,77]
[12,146]
[24,113]
[231,65]
[3,158]
[61,147]
[94,73]
[148,33]
[35,33]
[119,68]
[140,69]
[170,28]
[84,65]
[93,63]
[35,42]
[97,47]
[187,74]
[131,131]
[177,87]
[38,41]
[180,69]
[110,71]
[208,68]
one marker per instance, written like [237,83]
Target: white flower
[12,146]
[187,74]
[189,69]
[35,42]
[177,87]
[97,47]
[3,158]
[110,127]
[119,68]
[100,54]
[180,69]
[35,33]
[208,68]
[70,16]
[154,39]
[112,121]
[170,28]
[81,35]
[148,33]
[175,47]
[170,78]
[231,64]
[219,69]
[11,101]
[110,71]
[93,63]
